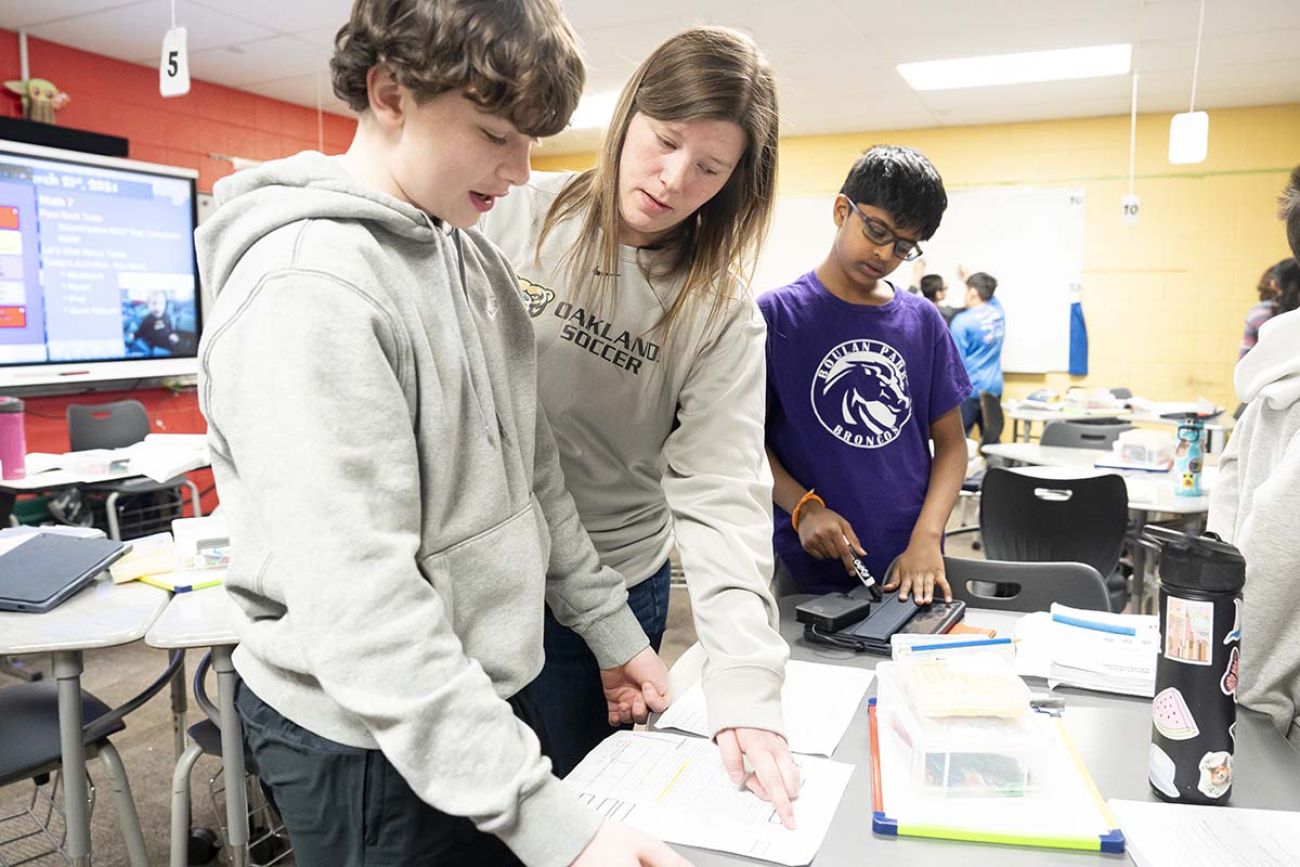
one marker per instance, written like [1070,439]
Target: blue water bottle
[1189,457]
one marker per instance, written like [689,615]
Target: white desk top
[159,455]
[200,618]
[101,615]
[1014,410]
[1148,492]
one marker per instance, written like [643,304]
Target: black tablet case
[47,568]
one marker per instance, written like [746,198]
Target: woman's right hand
[825,534]
[617,845]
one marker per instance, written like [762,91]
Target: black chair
[30,750]
[1122,393]
[1026,518]
[114,426]
[991,419]
[991,424]
[1029,586]
[1083,435]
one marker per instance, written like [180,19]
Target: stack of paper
[1186,835]
[1090,649]
[676,788]
[818,703]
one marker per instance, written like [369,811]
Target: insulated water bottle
[13,442]
[1194,713]
[1189,456]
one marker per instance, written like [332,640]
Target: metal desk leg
[1139,562]
[76,795]
[179,704]
[232,756]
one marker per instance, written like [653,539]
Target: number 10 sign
[174,67]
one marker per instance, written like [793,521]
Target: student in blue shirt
[978,331]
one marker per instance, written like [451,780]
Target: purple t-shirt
[852,390]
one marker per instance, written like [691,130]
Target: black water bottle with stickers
[1194,713]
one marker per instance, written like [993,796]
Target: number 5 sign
[174,67]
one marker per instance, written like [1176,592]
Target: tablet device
[46,569]
[888,617]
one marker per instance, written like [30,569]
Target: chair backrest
[1025,518]
[1031,586]
[106,425]
[1082,436]
[991,420]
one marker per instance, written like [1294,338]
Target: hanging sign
[174,67]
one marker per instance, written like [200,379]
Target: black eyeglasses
[879,234]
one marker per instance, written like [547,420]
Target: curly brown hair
[515,58]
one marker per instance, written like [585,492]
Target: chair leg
[180,839]
[127,816]
[194,498]
[110,506]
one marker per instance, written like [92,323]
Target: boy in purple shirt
[861,376]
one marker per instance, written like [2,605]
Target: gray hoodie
[1255,504]
[395,502]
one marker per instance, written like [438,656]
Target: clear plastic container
[963,756]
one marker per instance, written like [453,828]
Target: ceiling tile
[135,31]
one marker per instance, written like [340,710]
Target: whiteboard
[1029,238]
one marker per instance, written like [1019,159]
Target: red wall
[119,98]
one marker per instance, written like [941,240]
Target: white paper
[817,701]
[676,788]
[1187,835]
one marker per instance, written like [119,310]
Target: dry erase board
[1029,238]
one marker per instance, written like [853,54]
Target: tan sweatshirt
[661,441]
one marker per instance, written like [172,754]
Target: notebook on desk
[45,569]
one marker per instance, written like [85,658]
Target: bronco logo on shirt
[860,395]
[535,297]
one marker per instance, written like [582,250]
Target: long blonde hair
[707,73]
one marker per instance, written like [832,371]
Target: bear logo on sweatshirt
[536,298]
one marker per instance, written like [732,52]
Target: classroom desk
[102,615]
[203,619]
[1149,493]
[53,479]
[1112,732]
[1024,418]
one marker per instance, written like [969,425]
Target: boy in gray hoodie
[1255,501]
[395,501]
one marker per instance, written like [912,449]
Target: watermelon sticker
[1235,634]
[1189,628]
[1172,717]
[1228,683]
[1216,774]
[1160,772]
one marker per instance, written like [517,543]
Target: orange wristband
[794,513]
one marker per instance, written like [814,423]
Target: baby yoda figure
[41,98]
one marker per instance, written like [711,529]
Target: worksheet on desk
[1189,835]
[675,787]
[818,702]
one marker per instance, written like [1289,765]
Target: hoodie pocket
[493,586]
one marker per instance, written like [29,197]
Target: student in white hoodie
[1255,501]
[396,505]
[651,369]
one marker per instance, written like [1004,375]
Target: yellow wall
[1165,298]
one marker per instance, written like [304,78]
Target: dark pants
[568,695]
[970,414]
[348,807]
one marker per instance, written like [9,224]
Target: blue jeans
[971,413]
[567,694]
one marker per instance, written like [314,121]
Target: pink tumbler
[13,443]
